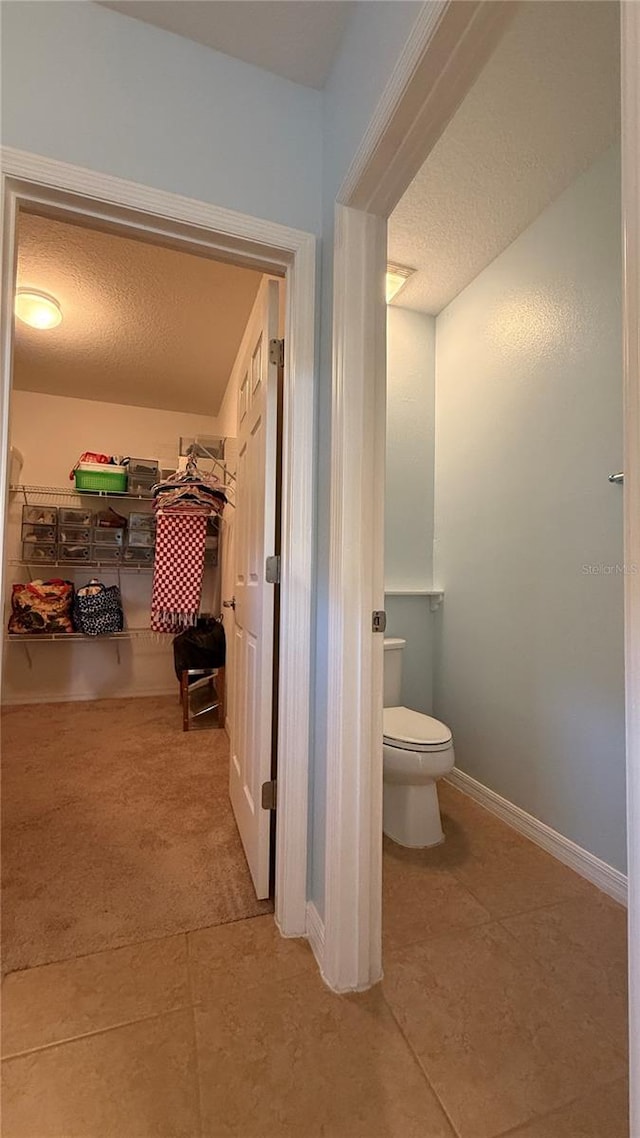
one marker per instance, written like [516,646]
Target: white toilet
[417,751]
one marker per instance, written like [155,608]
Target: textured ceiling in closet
[142,325]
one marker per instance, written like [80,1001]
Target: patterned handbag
[97,609]
[41,606]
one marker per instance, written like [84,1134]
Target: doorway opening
[528,323]
[144,369]
[138,736]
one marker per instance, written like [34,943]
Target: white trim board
[42,184]
[89,697]
[315,934]
[611,881]
[443,55]
[630,43]
[353,850]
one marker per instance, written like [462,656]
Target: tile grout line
[128,944]
[92,1034]
[196,1042]
[455,931]
[524,947]
[520,912]
[514,1130]
[418,1064]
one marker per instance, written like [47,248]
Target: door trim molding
[447,48]
[353,860]
[315,934]
[61,189]
[630,59]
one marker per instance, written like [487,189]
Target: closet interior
[122,494]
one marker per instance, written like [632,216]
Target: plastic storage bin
[38,551]
[104,535]
[96,476]
[74,552]
[138,556]
[74,535]
[144,467]
[40,515]
[38,533]
[141,484]
[73,516]
[141,539]
[142,521]
[107,554]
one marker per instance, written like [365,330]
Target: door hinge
[276,352]
[379,620]
[269,795]
[272,570]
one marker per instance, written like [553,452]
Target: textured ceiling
[546,104]
[296,39]
[142,325]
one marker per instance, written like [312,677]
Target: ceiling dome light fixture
[397,277]
[37,309]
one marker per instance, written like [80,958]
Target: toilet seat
[410,730]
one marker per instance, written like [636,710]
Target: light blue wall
[408,517]
[529,667]
[92,87]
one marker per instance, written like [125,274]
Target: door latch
[379,620]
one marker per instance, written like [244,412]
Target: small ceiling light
[397,277]
[37,309]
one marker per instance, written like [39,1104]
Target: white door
[250,718]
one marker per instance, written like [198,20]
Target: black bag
[203,646]
[97,609]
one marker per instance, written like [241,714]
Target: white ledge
[436,596]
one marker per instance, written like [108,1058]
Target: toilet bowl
[417,750]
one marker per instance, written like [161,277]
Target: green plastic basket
[106,480]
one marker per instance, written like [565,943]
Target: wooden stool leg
[221,693]
[184,696]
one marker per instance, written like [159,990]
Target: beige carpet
[117,828]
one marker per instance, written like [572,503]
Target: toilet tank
[393,649]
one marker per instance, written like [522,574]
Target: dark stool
[211,678]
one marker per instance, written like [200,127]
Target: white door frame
[96,198]
[448,46]
[630,59]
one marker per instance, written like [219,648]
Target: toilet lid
[401,726]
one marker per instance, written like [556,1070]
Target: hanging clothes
[179,566]
[183,503]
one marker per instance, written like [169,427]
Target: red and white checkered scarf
[179,565]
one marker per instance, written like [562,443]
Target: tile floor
[135,818]
[502,1012]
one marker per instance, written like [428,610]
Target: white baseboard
[315,933]
[85,697]
[611,881]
